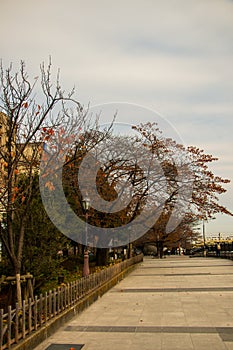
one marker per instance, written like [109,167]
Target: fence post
[50,304]
[17,323]
[9,319]
[58,300]
[35,311]
[81,288]
[23,320]
[63,297]
[72,293]
[30,315]
[1,328]
[77,290]
[40,309]
[68,294]
[54,302]
[45,307]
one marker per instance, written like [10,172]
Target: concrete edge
[37,337]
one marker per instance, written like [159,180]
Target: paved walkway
[169,304]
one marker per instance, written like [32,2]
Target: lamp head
[86,203]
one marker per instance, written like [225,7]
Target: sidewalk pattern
[168,304]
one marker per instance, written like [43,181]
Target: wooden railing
[19,323]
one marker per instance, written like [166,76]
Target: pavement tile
[174,303]
[207,342]
[173,341]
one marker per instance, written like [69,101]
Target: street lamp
[157,243]
[204,240]
[86,206]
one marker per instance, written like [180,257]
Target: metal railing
[223,254]
[19,323]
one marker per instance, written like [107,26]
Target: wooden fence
[19,323]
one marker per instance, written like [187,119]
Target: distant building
[29,157]
[29,154]
[3,143]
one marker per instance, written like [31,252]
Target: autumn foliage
[180,184]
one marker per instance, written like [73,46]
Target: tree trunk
[102,256]
[130,250]
[160,253]
[18,290]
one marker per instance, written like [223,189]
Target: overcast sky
[174,57]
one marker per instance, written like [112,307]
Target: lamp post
[204,241]
[86,205]
[157,244]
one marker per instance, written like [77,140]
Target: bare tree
[28,116]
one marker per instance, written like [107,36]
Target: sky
[173,57]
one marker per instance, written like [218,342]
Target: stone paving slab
[64,346]
[173,303]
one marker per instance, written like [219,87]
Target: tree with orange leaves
[180,184]
[192,190]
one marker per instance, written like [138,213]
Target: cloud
[172,56]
